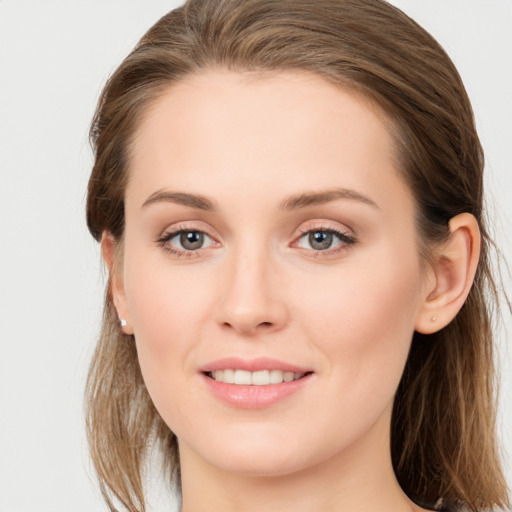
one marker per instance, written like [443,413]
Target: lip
[253,397]
[252,365]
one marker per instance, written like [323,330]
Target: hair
[443,425]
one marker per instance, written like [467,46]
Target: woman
[288,197]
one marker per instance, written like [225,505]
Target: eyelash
[345,239]
[167,236]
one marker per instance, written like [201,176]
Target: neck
[360,479]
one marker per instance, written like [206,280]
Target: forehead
[257,100]
[232,132]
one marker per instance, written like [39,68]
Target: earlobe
[109,251]
[454,269]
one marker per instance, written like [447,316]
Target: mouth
[254,383]
[256,378]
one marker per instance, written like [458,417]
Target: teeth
[276,376]
[259,378]
[288,376]
[228,377]
[243,377]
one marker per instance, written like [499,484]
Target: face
[270,272]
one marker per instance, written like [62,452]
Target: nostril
[249,328]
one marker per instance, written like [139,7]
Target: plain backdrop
[54,58]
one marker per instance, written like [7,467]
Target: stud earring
[122,322]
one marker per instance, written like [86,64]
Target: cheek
[360,327]
[166,309]
[166,301]
[364,315]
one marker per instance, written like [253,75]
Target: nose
[253,297]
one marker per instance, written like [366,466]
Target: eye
[183,241]
[190,240]
[324,240]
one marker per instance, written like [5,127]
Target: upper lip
[252,365]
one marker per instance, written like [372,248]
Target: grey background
[54,58]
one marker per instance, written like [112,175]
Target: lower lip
[254,397]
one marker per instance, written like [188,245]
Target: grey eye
[184,242]
[323,240]
[191,240]
[320,240]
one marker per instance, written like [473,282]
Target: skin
[258,288]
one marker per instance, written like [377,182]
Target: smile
[257,378]
[255,383]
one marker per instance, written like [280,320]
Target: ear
[109,251]
[453,271]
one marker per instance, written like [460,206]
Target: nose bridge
[251,301]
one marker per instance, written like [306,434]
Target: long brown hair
[443,426]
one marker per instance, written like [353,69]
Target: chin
[261,464]
[256,452]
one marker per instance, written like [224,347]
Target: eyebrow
[294,202]
[191,200]
[325,196]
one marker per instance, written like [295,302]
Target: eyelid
[198,226]
[324,225]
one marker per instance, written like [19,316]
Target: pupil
[320,240]
[191,240]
